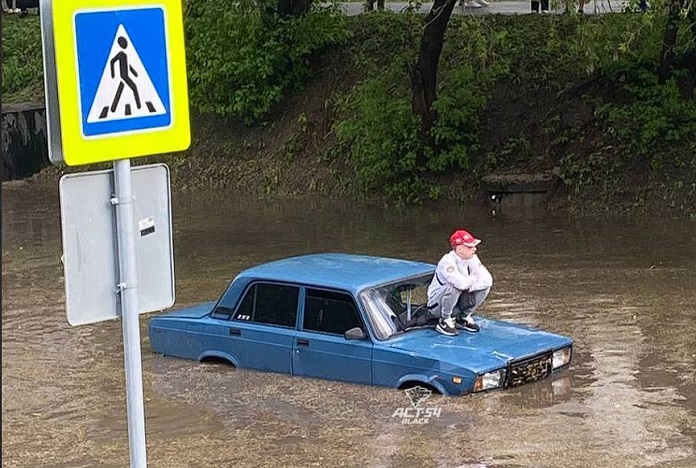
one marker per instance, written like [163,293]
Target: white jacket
[465,275]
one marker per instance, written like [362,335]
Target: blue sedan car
[358,319]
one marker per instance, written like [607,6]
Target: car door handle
[235,332]
[302,342]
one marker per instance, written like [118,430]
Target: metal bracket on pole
[120,287]
[117,201]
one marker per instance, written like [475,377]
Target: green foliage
[380,134]
[555,55]
[243,56]
[21,54]
[584,177]
[653,117]
[377,129]
[380,37]
[514,152]
[539,51]
[470,68]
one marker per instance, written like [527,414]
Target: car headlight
[561,357]
[489,380]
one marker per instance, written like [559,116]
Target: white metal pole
[128,287]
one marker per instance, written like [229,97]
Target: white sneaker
[472,4]
[483,3]
[447,327]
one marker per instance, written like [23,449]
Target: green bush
[243,56]
[653,117]
[379,132]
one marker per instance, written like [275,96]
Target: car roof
[338,270]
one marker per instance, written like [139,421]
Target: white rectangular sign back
[90,252]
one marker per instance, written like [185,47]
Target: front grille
[530,370]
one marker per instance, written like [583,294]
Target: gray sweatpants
[466,302]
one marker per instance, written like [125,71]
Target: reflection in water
[624,290]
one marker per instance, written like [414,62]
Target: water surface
[624,290]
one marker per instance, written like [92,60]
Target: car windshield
[398,306]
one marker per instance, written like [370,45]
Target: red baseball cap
[462,237]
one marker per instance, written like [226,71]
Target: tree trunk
[424,71]
[293,7]
[664,71]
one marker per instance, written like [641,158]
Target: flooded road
[624,290]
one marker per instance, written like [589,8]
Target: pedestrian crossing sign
[120,79]
[123,70]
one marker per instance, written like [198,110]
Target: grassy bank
[517,94]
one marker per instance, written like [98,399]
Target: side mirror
[355,334]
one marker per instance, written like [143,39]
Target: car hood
[494,346]
[194,312]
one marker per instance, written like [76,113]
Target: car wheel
[407,385]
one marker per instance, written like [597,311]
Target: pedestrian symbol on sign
[125,89]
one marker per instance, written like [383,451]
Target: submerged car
[358,319]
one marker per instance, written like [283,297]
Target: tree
[675,8]
[424,71]
[669,40]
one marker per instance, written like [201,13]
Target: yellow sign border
[79,150]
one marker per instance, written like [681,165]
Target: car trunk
[195,312]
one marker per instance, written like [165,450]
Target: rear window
[272,304]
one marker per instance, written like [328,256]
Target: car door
[262,331]
[321,349]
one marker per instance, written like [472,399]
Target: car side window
[274,304]
[330,312]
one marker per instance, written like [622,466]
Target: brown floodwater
[623,289]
